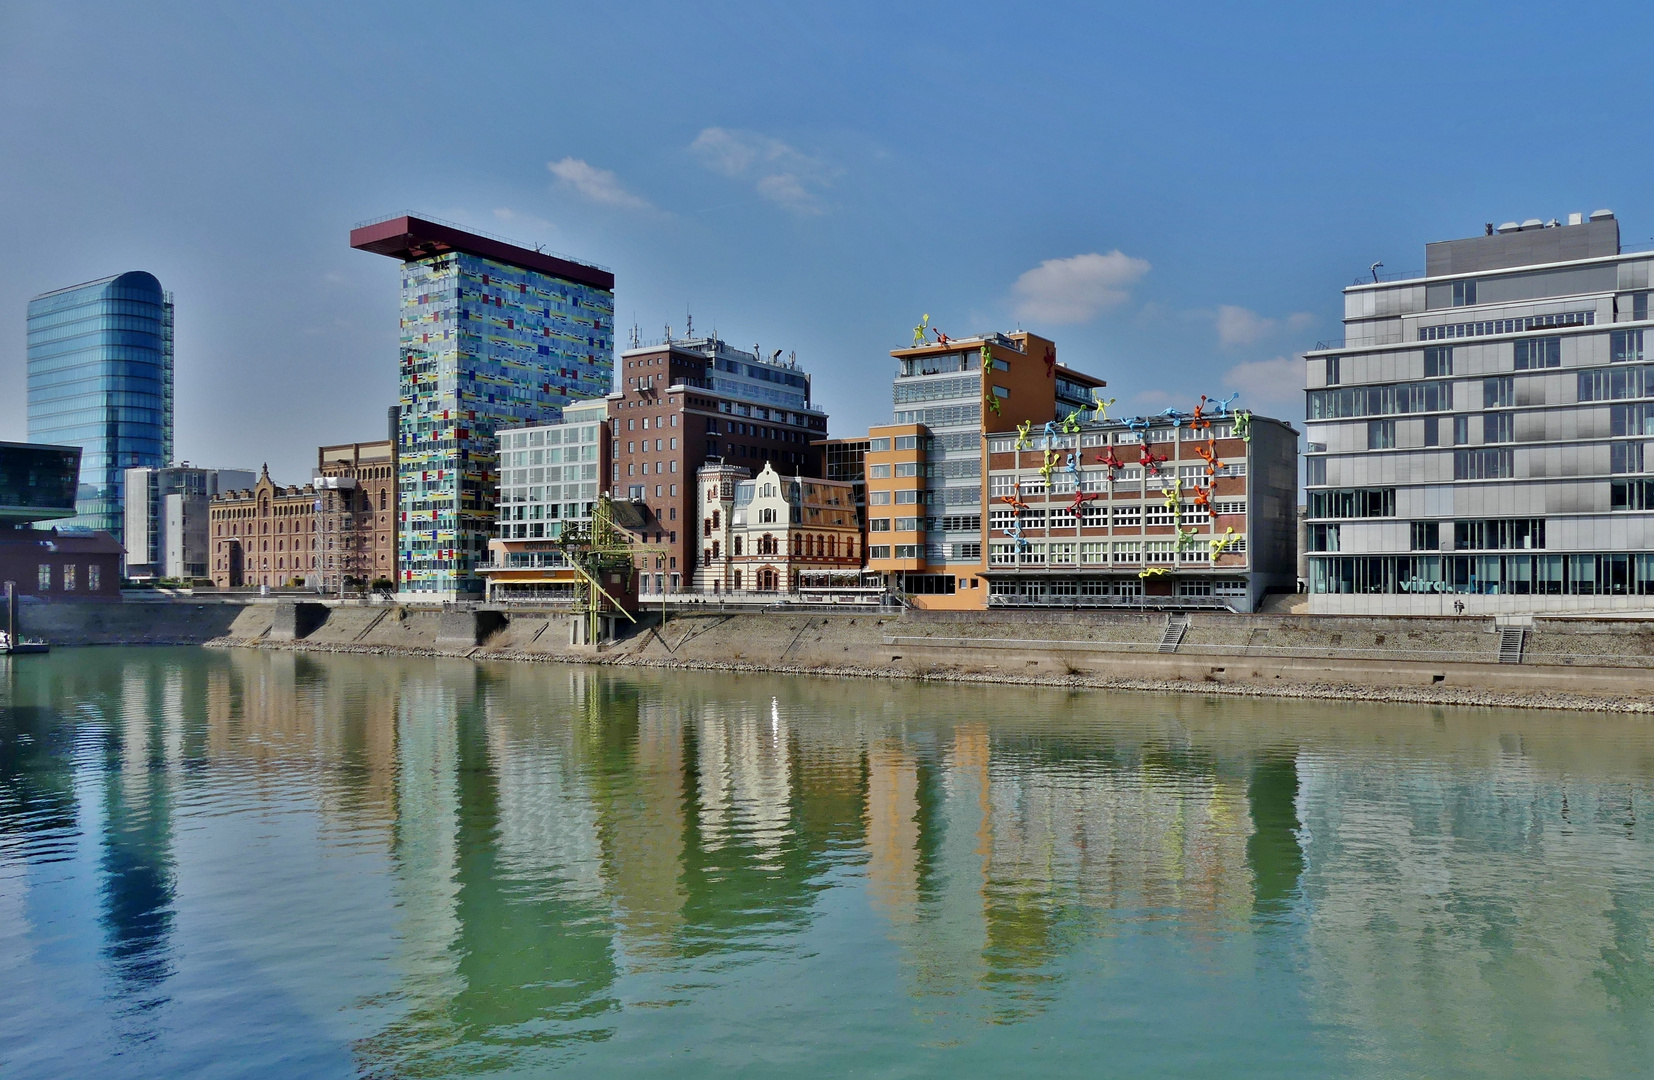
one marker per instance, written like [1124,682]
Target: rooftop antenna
[669,333]
[689,323]
[775,357]
[1374,268]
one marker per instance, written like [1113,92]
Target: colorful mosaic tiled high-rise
[485,344]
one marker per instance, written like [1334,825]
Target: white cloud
[1073,290]
[513,217]
[780,173]
[1240,326]
[599,185]
[1263,383]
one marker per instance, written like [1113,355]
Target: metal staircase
[1511,641]
[1177,624]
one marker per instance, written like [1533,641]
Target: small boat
[8,647]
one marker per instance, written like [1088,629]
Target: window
[906,468]
[43,579]
[1358,401]
[1432,431]
[1625,457]
[1381,434]
[1534,353]
[1128,517]
[1626,346]
[878,472]
[1507,326]
[1321,537]
[1426,536]
[1498,427]
[1631,420]
[1631,495]
[1639,306]
[906,442]
[1461,430]
[1498,393]
[1352,503]
[1612,384]
[907,551]
[1493,464]
[878,498]
[878,524]
[876,446]
[1332,371]
[1315,471]
[1438,361]
[94,577]
[68,577]
[1130,551]
[908,524]
[1464,294]
[1505,534]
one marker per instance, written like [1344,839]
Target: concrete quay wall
[1567,663]
[1574,662]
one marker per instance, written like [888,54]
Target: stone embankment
[1550,663]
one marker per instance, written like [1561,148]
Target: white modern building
[167,531]
[1476,442]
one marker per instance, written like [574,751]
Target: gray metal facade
[1476,442]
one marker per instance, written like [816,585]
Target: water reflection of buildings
[993,861]
[1495,919]
[553,830]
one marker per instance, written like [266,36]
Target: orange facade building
[925,475]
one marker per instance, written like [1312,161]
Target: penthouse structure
[493,335]
[1173,511]
[1476,442]
[925,480]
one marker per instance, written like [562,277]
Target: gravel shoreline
[1406,695]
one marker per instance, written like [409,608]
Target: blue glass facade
[100,378]
[485,345]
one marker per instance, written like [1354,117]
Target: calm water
[261,864]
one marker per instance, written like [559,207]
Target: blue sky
[1175,194]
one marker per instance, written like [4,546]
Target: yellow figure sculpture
[1152,571]
[1070,424]
[1221,543]
[1050,464]
[1023,430]
[1102,406]
[987,360]
[919,331]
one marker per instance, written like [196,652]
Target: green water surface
[263,864]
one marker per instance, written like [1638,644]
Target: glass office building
[100,378]
[1477,441]
[492,336]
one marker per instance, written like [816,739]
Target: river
[268,864]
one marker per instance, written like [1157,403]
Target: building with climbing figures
[925,481]
[493,335]
[1177,510]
